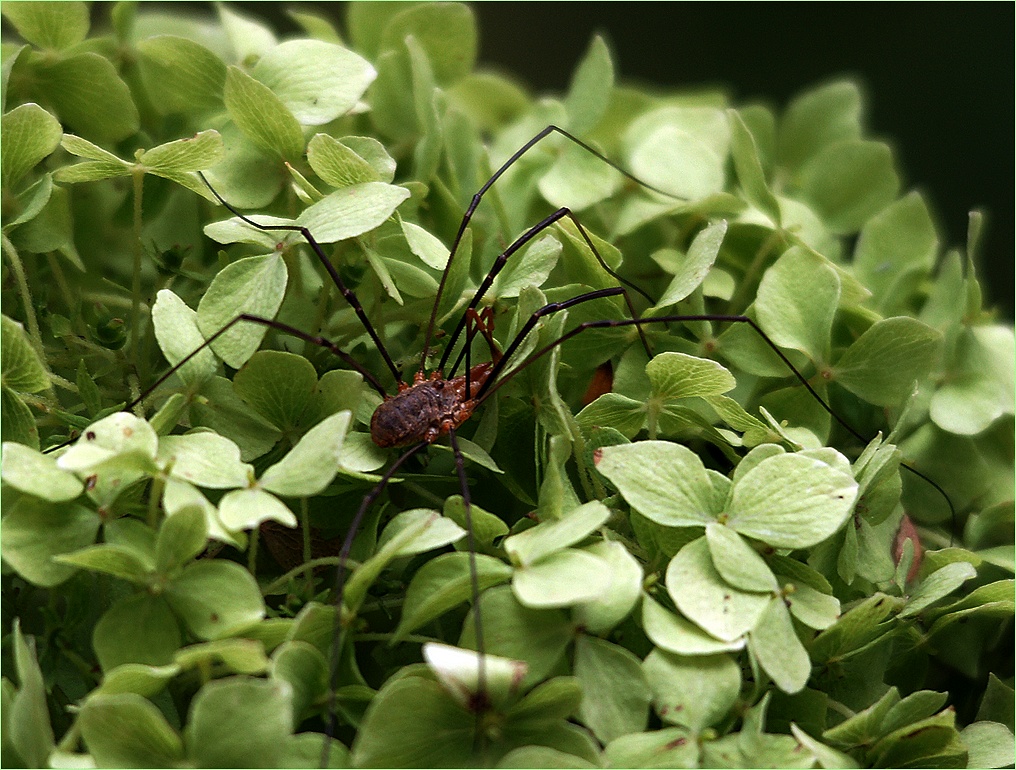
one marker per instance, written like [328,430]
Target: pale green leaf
[547,537]
[695,692]
[262,116]
[778,650]
[180,75]
[254,285]
[352,211]
[248,508]
[695,266]
[127,730]
[849,181]
[216,598]
[676,375]
[590,89]
[791,501]
[884,362]
[49,25]
[615,692]
[176,330]
[666,482]
[676,634]
[37,474]
[30,134]
[204,459]
[311,465]
[797,300]
[561,579]
[705,598]
[34,531]
[737,562]
[21,368]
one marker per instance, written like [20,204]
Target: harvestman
[436,405]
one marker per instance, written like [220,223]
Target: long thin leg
[497,175]
[245,317]
[481,703]
[490,386]
[340,585]
[346,292]
[502,259]
[528,327]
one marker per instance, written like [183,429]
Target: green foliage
[698,567]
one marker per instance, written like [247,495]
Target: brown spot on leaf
[90,435]
[908,531]
[601,382]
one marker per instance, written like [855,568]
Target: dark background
[938,79]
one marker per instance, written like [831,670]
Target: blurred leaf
[88,95]
[615,690]
[262,116]
[137,629]
[695,692]
[883,363]
[126,730]
[316,81]
[817,118]
[49,25]
[849,181]
[21,368]
[37,474]
[215,598]
[899,240]
[27,723]
[443,583]
[445,31]
[561,579]
[180,75]
[278,386]
[796,303]
[30,134]
[745,153]
[590,89]
[240,721]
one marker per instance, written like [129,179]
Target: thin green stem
[138,376]
[252,551]
[325,561]
[155,496]
[73,305]
[305,531]
[738,302]
[26,298]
